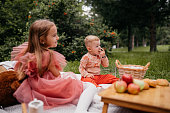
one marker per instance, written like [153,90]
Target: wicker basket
[137,71]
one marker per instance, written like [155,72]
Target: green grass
[160,48]
[159,67]
[159,62]
[72,66]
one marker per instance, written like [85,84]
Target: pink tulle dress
[53,91]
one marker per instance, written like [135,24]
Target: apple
[120,86]
[127,78]
[133,89]
[140,83]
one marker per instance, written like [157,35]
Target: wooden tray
[152,100]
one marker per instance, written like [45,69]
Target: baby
[90,63]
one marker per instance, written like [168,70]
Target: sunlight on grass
[163,48]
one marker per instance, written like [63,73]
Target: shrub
[72,27]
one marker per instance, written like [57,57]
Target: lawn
[161,48]
[159,67]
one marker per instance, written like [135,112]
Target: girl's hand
[90,75]
[102,52]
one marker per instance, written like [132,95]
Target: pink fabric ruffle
[18,49]
[53,91]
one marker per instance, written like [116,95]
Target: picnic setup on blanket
[154,97]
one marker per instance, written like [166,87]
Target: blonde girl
[39,69]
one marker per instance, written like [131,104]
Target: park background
[132,31]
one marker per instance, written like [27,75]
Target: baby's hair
[89,39]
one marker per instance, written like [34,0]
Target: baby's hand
[102,52]
[90,75]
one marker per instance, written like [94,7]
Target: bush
[72,51]
[72,27]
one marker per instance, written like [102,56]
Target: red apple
[133,88]
[120,86]
[127,78]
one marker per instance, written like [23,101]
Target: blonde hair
[38,30]
[89,39]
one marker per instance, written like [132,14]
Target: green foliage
[103,31]
[13,18]
[66,14]
[129,14]
[73,51]
[122,13]
[72,26]
[163,35]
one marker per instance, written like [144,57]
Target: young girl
[39,70]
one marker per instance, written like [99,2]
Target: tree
[159,11]
[163,35]
[18,15]
[127,14]
[13,17]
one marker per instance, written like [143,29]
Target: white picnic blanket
[95,107]
[8,64]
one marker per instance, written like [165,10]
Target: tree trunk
[143,42]
[153,33]
[117,44]
[129,38]
[137,42]
[133,39]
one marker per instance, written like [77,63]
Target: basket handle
[117,63]
[147,65]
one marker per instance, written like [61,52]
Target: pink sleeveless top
[53,91]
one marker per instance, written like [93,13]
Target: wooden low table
[152,100]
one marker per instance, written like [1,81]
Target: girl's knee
[89,85]
[93,87]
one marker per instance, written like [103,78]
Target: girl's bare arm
[54,70]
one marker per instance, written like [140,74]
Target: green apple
[140,83]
